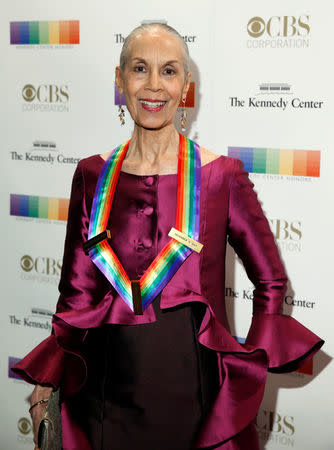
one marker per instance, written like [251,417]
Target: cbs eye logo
[41,264]
[28,92]
[24,425]
[279,26]
[256,27]
[27,263]
[45,93]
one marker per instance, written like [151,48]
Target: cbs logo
[284,230]
[45,93]
[24,425]
[27,263]
[279,26]
[273,422]
[42,265]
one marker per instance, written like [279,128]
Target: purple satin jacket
[229,210]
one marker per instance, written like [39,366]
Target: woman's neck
[149,149]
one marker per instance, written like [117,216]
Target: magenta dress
[148,386]
[173,378]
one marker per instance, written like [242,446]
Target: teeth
[153,104]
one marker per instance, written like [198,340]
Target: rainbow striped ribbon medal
[138,294]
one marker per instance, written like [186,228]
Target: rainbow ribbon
[174,253]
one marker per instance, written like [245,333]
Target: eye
[169,71]
[139,69]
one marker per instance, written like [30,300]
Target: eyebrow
[172,61]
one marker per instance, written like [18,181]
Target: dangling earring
[183,116]
[121,114]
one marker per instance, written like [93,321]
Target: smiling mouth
[152,105]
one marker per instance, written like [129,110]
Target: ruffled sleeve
[44,365]
[81,285]
[287,342]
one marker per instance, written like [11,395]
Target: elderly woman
[140,346]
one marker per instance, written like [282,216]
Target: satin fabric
[229,210]
[146,388]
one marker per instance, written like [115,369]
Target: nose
[154,82]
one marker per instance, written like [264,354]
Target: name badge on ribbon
[185,239]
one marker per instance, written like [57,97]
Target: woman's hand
[39,393]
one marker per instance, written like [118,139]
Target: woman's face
[153,80]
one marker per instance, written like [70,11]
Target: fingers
[37,414]
[37,409]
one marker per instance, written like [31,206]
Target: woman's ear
[118,79]
[186,86]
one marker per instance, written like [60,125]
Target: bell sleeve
[287,342]
[57,358]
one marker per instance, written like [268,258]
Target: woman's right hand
[39,393]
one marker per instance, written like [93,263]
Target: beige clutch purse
[49,430]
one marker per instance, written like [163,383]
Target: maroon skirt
[149,386]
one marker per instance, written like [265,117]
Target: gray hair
[150,27]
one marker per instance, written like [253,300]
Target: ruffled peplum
[281,345]
[275,342]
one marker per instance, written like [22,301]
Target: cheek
[175,92]
[131,92]
[131,88]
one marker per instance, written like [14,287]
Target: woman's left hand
[37,412]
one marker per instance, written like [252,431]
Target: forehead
[157,44]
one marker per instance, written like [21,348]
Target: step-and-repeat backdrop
[262,78]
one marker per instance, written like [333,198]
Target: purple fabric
[229,209]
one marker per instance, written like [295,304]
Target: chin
[152,124]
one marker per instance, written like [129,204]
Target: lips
[152,105]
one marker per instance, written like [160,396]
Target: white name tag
[185,239]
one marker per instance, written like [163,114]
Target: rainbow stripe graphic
[40,207]
[174,253]
[305,163]
[11,362]
[45,32]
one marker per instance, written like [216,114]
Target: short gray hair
[150,27]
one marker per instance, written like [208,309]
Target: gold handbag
[49,430]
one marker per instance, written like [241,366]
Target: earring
[183,116]
[121,114]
